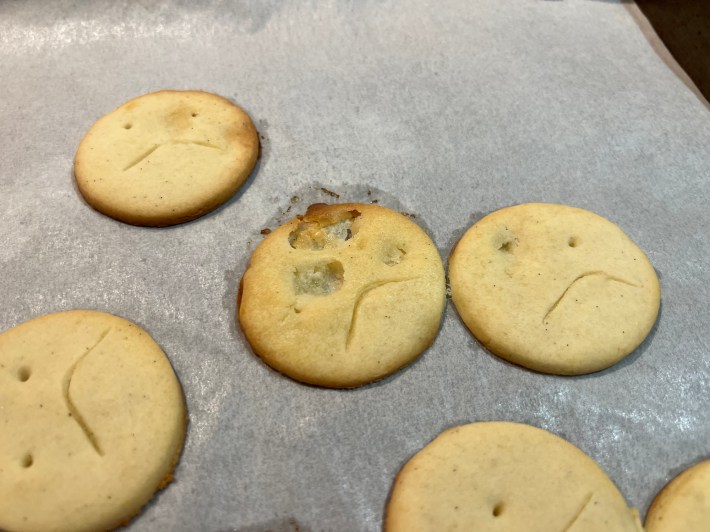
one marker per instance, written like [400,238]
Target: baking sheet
[444,109]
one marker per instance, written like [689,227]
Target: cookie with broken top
[509,477]
[93,422]
[553,288]
[166,157]
[343,295]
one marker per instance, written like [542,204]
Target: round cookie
[553,288]
[166,157]
[505,477]
[93,422]
[684,504]
[342,296]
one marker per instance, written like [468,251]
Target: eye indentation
[23,374]
[194,115]
[27,461]
[498,509]
[127,125]
[393,255]
[573,242]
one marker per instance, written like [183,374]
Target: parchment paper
[444,109]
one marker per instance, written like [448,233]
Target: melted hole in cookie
[314,235]
[127,125]
[27,461]
[320,279]
[498,509]
[393,255]
[23,374]
[573,242]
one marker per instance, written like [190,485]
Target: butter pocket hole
[573,242]
[27,461]
[498,509]
[319,279]
[315,236]
[23,374]
[127,126]
[194,115]
[506,246]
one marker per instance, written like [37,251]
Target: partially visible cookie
[503,476]
[553,288]
[342,296]
[166,157]
[684,504]
[92,422]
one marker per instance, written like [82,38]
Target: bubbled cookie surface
[342,296]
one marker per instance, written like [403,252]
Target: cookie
[506,477]
[93,422]
[684,504]
[342,296]
[166,157]
[553,288]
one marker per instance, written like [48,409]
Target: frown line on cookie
[358,301]
[73,411]
[579,512]
[578,278]
[144,155]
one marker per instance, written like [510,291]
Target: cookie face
[553,288]
[342,296]
[166,157]
[505,476]
[93,422]
[684,504]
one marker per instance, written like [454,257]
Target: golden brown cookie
[503,476]
[684,504]
[166,157]
[92,422]
[553,288]
[342,296]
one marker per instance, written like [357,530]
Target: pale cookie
[342,296]
[166,157]
[684,504]
[505,477]
[553,288]
[92,422]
